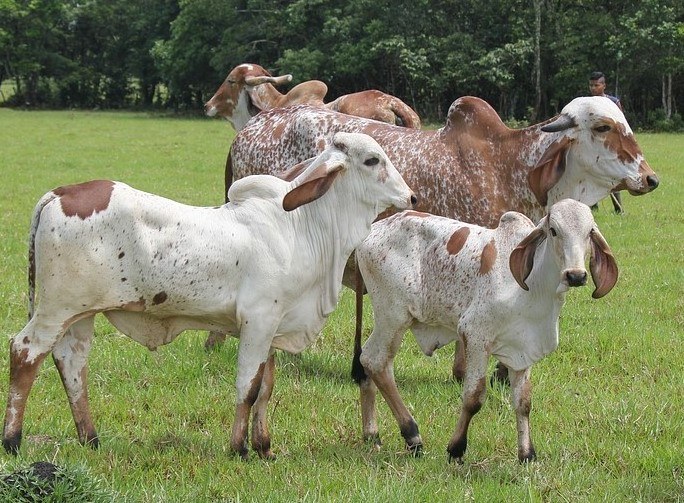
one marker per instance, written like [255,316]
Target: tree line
[527,58]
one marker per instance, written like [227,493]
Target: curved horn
[561,123]
[267,79]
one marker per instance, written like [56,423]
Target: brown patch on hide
[85,199]
[488,257]
[623,144]
[159,298]
[457,240]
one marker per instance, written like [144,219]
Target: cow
[499,292]
[266,267]
[474,168]
[250,89]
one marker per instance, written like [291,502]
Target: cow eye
[372,161]
[602,129]
[553,232]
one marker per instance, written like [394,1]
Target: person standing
[597,87]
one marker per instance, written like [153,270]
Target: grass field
[608,405]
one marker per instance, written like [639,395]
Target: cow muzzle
[575,277]
[647,181]
[210,110]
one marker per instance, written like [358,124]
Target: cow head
[571,234]
[247,90]
[375,180]
[593,153]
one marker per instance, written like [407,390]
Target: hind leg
[28,349]
[71,359]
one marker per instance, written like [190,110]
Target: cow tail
[228,176]
[358,373]
[35,221]
[405,115]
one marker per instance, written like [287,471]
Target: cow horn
[267,79]
[561,123]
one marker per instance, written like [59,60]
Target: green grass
[608,405]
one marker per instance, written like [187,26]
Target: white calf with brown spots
[266,267]
[498,292]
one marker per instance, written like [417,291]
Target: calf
[267,267]
[498,292]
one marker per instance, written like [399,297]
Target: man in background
[597,87]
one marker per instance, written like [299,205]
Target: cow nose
[414,200]
[652,181]
[576,278]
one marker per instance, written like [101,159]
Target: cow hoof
[416,449]
[267,455]
[450,459]
[12,444]
[373,440]
[457,449]
[527,457]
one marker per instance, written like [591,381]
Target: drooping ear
[290,174]
[314,186]
[602,264]
[522,257]
[549,169]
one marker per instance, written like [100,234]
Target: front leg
[474,392]
[254,351]
[521,395]
[261,438]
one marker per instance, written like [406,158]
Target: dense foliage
[527,58]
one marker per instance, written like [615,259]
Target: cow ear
[259,98]
[522,257]
[549,169]
[602,264]
[313,187]
[291,173]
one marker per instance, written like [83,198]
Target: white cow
[266,267]
[498,292]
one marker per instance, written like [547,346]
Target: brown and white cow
[266,267]
[250,89]
[474,168]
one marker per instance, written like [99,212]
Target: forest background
[527,58]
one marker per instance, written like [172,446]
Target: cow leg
[385,382]
[369,418]
[458,369]
[521,395]
[474,392]
[27,352]
[214,339]
[71,359]
[253,353]
[261,437]
[377,358]
[617,202]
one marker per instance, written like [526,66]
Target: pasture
[608,405]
